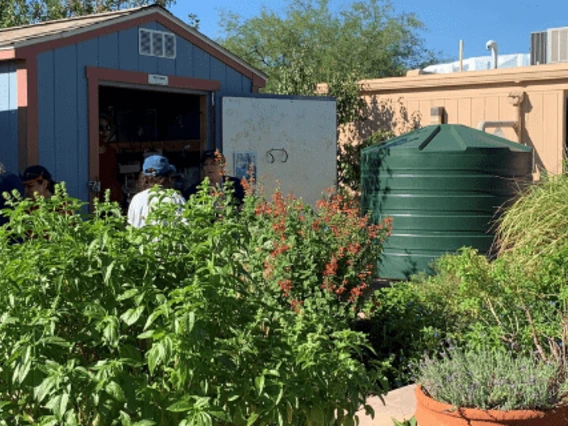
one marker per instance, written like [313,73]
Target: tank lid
[447,138]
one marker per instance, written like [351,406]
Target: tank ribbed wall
[443,186]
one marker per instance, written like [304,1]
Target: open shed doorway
[146,122]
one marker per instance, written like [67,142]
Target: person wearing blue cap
[8,182]
[156,171]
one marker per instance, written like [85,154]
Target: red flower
[285,286]
[328,285]
[268,270]
[354,248]
[279,226]
[331,267]
[296,305]
[263,208]
[279,250]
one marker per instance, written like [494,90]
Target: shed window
[169,45]
[157,43]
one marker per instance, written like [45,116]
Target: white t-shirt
[142,202]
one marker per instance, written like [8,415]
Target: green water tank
[443,186]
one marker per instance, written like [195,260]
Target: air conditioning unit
[539,48]
[550,46]
[557,45]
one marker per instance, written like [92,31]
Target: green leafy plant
[174,323]
[492,380]
[409,422]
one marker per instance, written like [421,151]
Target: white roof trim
[139,13]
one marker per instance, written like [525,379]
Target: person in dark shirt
[211,167]
[38,180]
[8,182]
[108,164]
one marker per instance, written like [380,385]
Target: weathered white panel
[305,129]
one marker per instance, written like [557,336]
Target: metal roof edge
[78,18]
[515,76]
[97,25]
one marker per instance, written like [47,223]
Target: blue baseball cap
[157,165]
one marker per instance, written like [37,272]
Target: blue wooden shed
[158,78]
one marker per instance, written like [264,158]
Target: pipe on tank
[492,45]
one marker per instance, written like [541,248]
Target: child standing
[156,171]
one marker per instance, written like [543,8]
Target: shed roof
[27,35]
[14,36]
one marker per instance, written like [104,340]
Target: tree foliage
[368,39]
[23,12]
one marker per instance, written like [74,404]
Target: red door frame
[96,76]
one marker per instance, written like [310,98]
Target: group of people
[37,181]
[32,182]
[157,171]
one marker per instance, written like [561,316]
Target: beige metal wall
[403,103]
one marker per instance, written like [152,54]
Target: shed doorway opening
[138,123]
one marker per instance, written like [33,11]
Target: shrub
[538,221]
[517,302]
[314,258]
[174,323]
[408,319]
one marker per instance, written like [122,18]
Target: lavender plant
[492,380]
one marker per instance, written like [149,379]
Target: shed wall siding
[9,116]
[63,114]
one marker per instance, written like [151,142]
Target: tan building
[526,105]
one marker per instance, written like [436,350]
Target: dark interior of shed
[145,122]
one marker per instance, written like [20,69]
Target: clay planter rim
[478,414]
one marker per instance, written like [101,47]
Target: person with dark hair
[8,182]
[156,172]
[108,164]
[38,182]
[212,168]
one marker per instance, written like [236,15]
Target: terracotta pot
[433,413]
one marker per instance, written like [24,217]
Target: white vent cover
[558,45]
[157,43]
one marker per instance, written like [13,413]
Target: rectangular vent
[558,45]
[157,44]
[160,44]
[145,45]
[170,46]
[538,48]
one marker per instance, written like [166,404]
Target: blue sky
[474,21]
